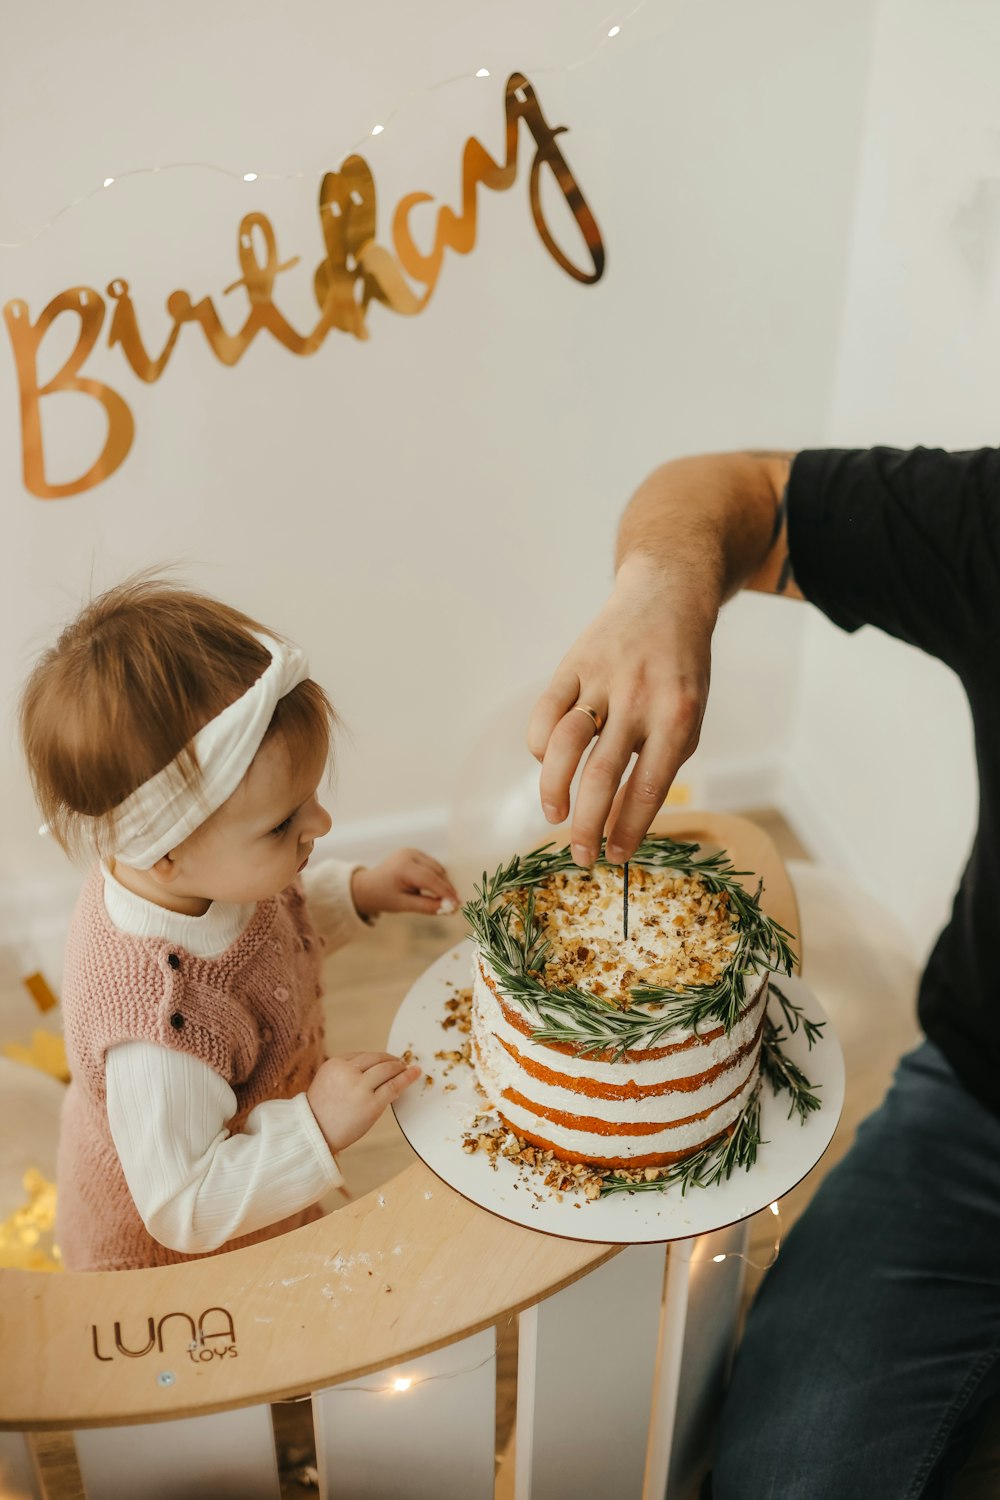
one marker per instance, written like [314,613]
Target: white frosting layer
[587,1146]
[505,1072]
[499,1072]
[488,1019]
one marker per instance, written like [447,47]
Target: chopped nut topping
[681,932]
[534,1164]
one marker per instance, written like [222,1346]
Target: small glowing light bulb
[108,181]
[482,72]
[249,176]
[774,1209]
[718,1258]
[377,129]
[614,31]
[402,1383]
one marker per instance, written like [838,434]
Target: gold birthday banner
[355,271]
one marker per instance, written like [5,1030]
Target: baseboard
[737,784]
[39,909]
[35,911]
[817,829]
[774,781]
[725,786]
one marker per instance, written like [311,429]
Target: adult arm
[196,1186]
[696,531]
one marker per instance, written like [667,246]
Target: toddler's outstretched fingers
[366,1060]
[431,905]
[444,903]
[384,1072]
[432,883]
[393,1087]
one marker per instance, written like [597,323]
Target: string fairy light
[400,1384]
[397,1386]
[756,1264]
[303,173]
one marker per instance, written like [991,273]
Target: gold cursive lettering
[458,231]
[124,331]
[26,338]
[354,272]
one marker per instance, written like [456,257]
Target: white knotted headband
[161,813]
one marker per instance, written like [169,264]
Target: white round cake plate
[434,1118]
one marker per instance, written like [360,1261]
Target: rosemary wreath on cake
[503,919]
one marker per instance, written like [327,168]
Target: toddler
[183,745]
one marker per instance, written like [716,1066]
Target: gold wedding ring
[592,715]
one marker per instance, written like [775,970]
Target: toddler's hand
[349,1093]
[405,881]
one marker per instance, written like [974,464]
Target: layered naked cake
[623,1052]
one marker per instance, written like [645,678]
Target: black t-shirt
[910,542]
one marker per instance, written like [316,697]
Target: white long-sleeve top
[195,1185]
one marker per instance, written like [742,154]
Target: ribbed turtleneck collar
[205,937]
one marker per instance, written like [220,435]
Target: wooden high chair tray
[435,1116]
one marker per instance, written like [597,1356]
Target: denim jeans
[874,1344]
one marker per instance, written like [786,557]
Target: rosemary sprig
[517,951]
[785,1075]
[718,1160]
[794,1017]
[738,1148]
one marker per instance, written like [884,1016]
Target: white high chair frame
[165,1375]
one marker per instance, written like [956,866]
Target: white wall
[431,512]
[882,759]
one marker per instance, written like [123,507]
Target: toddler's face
[255,844]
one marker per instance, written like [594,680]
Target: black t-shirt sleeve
[908,541]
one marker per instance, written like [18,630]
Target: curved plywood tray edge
[405,1270]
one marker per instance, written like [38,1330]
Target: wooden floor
[854,958]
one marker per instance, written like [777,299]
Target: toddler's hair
[126,688]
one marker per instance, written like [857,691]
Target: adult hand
[644,666]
